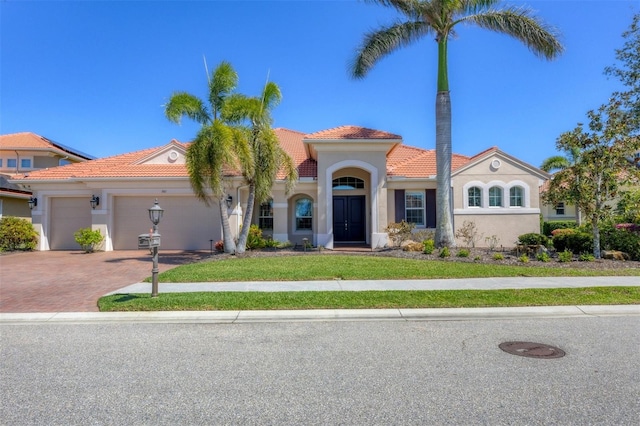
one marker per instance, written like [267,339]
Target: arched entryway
[349,210]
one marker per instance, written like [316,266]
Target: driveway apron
[73,281]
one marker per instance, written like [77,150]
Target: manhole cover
[532,350]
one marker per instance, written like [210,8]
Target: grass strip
[329,267]
[209,301]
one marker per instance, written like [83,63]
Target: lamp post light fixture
[33,202]
[155,214]
[95,202]
[229,201]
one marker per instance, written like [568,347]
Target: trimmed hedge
[549,227]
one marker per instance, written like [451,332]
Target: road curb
[235,317]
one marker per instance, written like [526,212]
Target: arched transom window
[348,182]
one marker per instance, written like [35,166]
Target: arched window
[495,196]
[516,197]
[348,182]
[475,197]
[265,215]
[304,214]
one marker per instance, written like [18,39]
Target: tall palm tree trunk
[227,238]
[444,219]
[246,221]
[444,226]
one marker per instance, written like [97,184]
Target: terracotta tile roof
[291,141]
[406,161]
[412,162]
[31,141]
[351,132]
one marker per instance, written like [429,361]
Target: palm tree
[265,156]
[215,144]
[437,19]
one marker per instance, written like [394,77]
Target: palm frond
[520,23]
[378,44]
[223,82]
[184,104]
[557,162]
[409,8]
[206,157]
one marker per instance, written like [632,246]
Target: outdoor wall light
[33,202]
[229,200]
[95,202]
[155,213]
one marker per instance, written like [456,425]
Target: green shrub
[543,257]
[254,238]
[621,239]
[17,234]
[88,239]
[586,257]
[565,256]
[271,243]
[463,253]
[498,256]
[444,252]
[533,239]
[428,246]
[549,227]
[576,242]
[524,258]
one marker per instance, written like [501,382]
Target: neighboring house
[352,183]
[561,211]
[23,153]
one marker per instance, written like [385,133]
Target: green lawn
[369,299]
[346,267]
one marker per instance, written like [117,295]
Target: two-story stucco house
[353,182]
[23,153]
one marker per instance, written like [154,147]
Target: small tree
[603,168]
[469,233]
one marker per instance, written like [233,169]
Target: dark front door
[349,223]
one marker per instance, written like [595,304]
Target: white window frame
[416,195]
[22,166]
[518,195]
[478,196]
[9,160]
[492,196]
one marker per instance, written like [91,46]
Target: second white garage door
[187,224]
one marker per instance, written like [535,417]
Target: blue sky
[94,74]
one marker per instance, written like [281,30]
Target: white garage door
[68,214]
[187,224]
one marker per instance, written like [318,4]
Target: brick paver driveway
[73,281]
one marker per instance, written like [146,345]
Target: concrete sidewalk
[364,285]
[449,314]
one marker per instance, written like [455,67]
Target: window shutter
[430,200]
[399,205]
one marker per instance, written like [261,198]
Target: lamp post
[155,214]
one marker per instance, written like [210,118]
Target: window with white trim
[560,209]
[495,196]
[12,163]
[304,214]
[348,182]
[25,163]
[265,215]
[475,196]
[516,196]
[414,207]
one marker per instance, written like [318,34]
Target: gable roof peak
[352,132]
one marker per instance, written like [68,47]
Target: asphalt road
[356,373]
